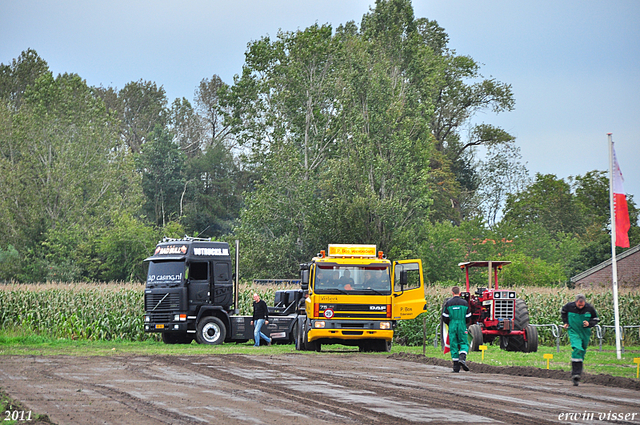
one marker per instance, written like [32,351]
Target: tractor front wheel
[474,333]
[531,344]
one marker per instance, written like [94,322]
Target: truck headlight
[319,324]
[385,325]
[147,318]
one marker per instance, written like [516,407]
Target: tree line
[354,134]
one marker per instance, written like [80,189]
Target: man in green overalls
[578,318]
[456,313]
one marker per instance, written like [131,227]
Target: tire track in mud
[443,400]
[313,403]
[138,405]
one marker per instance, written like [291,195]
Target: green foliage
[122,248]
[9,262]
[544,308]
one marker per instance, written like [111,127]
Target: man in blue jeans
[260,317]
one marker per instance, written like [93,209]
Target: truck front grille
[162,302]
[161,318]
[503,309]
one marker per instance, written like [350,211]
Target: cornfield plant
[91,311]
[116,310]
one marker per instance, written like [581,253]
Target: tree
[501,174]
[140,107]
[209,100]
[20,74]
[187,127]
[161,164]
[548,202]
[64,174]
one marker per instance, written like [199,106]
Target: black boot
[456,366]
[576,372]
[463,361]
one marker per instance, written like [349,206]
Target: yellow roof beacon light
[336,250]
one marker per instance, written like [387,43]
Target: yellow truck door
[408,290]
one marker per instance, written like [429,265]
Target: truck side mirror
[403,279]
[304,279]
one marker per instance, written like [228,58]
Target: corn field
[89,311]
[115,310]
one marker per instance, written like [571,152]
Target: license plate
[278,334]
[159,326]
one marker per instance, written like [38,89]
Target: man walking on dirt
[455,313]
[578,318]
[260,317]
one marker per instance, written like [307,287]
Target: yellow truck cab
[355,296]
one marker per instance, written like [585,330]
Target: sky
[574,65]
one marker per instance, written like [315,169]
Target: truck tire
[520,322]
[474,334]
[531,344]
[297,337]
[306,344]
[176,338]
[211,331]
[383,346]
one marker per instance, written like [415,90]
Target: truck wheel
[474,334]
[382,346]
[306,344]
[295,333]
[211,331]
[387,346]
[531,345]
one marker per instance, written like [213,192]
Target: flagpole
[614,266]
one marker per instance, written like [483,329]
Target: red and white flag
[620,205]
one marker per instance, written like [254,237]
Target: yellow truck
[355,296]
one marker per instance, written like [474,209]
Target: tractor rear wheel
[520,322]
[474,333]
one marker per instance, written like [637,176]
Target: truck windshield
[337,279]
[165,273]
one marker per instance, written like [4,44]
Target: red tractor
[497,313]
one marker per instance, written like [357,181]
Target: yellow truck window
[413,276]
[348,279]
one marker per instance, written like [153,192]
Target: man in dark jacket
[578,318]
[456,313]
[260,317]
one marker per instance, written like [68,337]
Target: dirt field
[297,388]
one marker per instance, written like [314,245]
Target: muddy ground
[301,388]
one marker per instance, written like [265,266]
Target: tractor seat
[480,291]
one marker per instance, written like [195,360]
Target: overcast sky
[574,64]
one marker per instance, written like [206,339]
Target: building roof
[605,264]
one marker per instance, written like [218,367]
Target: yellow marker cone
[483,348]
[637,360]
[547,357]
